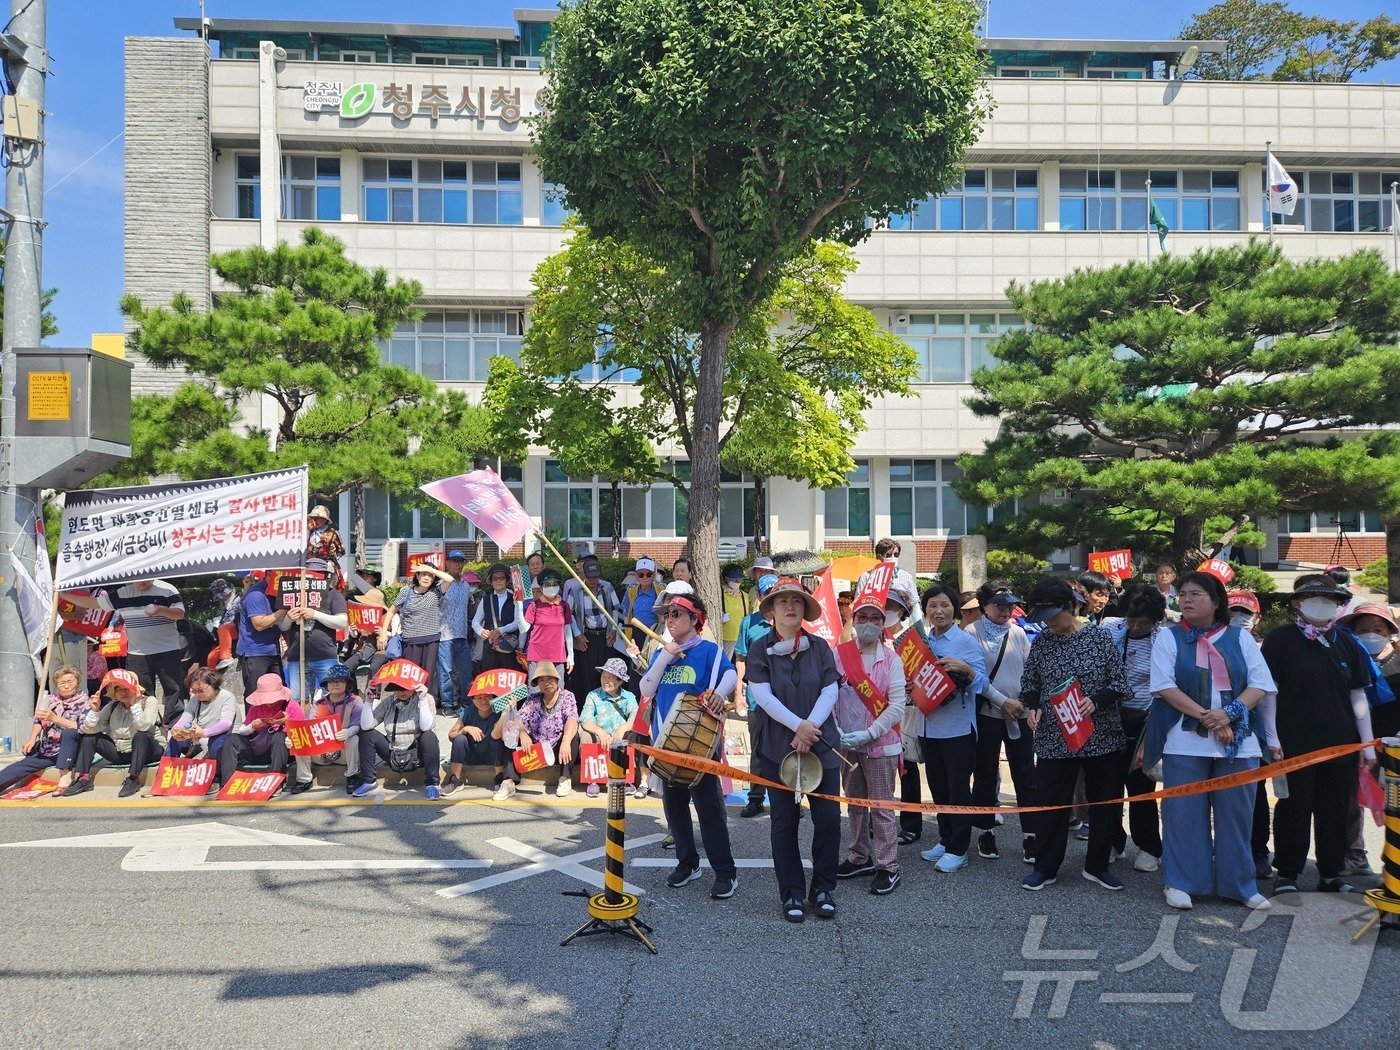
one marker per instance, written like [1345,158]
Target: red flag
[829,625]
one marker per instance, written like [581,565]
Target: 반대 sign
[483,499]
[1076,728]
[184,777]
[1113,564]
[91,622]
[249,786]
[436,559]
[929,684]
[1221,569]
[497,682]
[364,618]
[400,672]
[315,737]
[877,586]
[538,755]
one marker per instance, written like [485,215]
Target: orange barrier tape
[1199,787]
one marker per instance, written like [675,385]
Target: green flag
[1158,222]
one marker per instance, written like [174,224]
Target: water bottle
[510,735]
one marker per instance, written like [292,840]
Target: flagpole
[1268,211]
[48,639]
[1150,228]
[1395,224]
[569,568]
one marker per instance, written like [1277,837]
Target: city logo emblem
[357,100]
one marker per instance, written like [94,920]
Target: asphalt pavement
[320,921]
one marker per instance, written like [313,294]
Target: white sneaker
[505,790]
[951,862]
[1146,862]
[1178,899]
[1258,902]
[640,791]
[934,855]
[565,788]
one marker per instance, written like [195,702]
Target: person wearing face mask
[1375,629]
[904,586]
[1144,613]
[548,624]
[869,710]
[756,624]
[1323,673]
[734,606]
[1244,611]
[1001,717]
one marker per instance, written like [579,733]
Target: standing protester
[547,626]
[318,622]
[1001,717]
[149,609]
[1208,678]
[903,584]
[1244,614]
[641,600]
[1144,611]
[418,612]
[324,547]
[496,622]
[948,736]
[454,641]
[681,571]
[869,711]
[54,739]
[1065,650]
[258,649]
[735,606]
[755,625]
[1098,592]
[688,664]
[1322,673]
[593,636]
[911,822]
[792,675]
[399,730]
[125,729]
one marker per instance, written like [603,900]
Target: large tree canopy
[1268,40]
[724,136]
[1159,396]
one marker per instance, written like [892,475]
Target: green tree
[802,368]
[48,324]
[285,370]
[724,136]
[1268,40]
[1159,396]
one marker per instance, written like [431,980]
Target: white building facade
[411,145]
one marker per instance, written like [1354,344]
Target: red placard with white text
[437,559]
[593,763]
[1221,569]
[364,618]
[537,756]
[517,582]
[929,684]
[316,737]
[1075,727]
[1113,564]
[877,586]
[401,672]
[91,622]
[249,786]
[184,777]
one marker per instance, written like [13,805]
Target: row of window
[582,508]
[951,346]
[454,346]
[415,58]
[1343,201]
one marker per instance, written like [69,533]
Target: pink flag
[483,499]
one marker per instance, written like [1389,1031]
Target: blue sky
[83,203]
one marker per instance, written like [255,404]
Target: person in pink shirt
[547,621]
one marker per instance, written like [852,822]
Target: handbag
[393,648]
[402,759]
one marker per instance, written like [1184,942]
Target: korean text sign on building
[113,536]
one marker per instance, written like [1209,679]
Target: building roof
[1155,47]
[220,26]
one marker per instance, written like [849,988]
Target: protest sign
[248,786]
[929,684]
[364,618]
[1113,564]
[181,777]
[400,672]
[828,625]
[314,737]
[538,755]
[1075,727]
[1221,569]
[483,499]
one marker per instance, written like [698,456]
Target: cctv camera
[901,319]
[280,54]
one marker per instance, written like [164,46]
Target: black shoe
[351,783]
[300,786]
[752,808]
[1335,886]
[1083,833]
[794,910]
[129,787]
[906,838]
[851,870]
[987,845]
[884,882]
[824,906]
[724,887]
[1285,884]
[681,874]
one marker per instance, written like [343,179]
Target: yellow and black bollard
[1386,897]
[615,910]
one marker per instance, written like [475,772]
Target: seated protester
[125,730]
[608,710]
[210,713]
[550,717]
[54,739]
[262,735]
[399,730]
[336,699]
[473,742]
[362,648]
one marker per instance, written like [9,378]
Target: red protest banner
[1117,563]
[497,682]
[1077,728]
[517,582]
[248,786]
[364,618]
[828,626]
[35,787]
[929,684]
[537,756]
[181,777]
[437,559]
[1221,569]
[315,737]
[112,643]
[593,764]
[400,672]
[877,585]
[91,622]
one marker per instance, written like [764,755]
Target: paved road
[107,945]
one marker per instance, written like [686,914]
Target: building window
[553,211]
[1110,199]
[527,62]
[848,507]
[987,199]
[1342,202]
[922,500]
[389,517]
[247,192]
[454,346]
[244,54]
[950,346]
[420,59]
[358,56]
[310,187]
[1033,72]
[1116,74]
[478,192]
[1325,522]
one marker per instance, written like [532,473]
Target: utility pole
[24,45]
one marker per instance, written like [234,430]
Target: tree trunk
[1228,536]
[1188,535]
[616,517]
[357,510]
[760,513]
[704,460]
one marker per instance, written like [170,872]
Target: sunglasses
[643,572]
[674,614]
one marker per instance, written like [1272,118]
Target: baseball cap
[456,556]
[645,565]
[767,583]
[1243,600]
[763,563]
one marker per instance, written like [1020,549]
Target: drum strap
[853,666]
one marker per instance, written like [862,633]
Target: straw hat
[545,669]
[810,609]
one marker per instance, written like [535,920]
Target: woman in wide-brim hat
[550,717]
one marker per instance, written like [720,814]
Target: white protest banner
[113,536]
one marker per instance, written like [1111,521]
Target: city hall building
[410,143]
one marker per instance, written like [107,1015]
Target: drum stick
[568,567]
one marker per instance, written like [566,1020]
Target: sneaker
[129,787]
[640,791]
[933,856]
[669,842]
[592,791]
[451,784]
[1106,879]
[681,874]
[300,786]
[1258,902]
[752,808]
[884,882]
[565,788]
[723,888]
[504,790]
[1361,867]
[1028,849]
[1082,834]
[433,792]
[1285,884]
[1146,862]
[849,869]
[1037,880]
[365,790]
[950,862]
[987,845]
[1179,899]
[83,783]
[1334,886]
